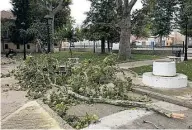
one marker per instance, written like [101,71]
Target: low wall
[147,52]
[150,52]
[153,52]
[84,49]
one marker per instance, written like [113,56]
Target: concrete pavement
[133,119]
[33,115]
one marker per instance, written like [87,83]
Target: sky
[78,8]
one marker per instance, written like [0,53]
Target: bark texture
[124,8]
[124,46]
[124,103]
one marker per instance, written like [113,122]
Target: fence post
[183,47]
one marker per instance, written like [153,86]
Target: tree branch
[126,7]
[44,5]
[110,25]
[119,5]
[131,4]
[125,103]
[58,8]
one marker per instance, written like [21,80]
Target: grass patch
[137,57]
[97,57]
[183,67]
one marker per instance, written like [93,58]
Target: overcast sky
[77,8]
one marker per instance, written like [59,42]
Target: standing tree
[162,18]
[184,19]
[53,7]
[124,8]
[100,18]
[141,21]
[21,9]
[65,31]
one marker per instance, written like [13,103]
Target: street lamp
[49,20]
[24,47]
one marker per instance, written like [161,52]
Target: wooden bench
[73,60]
[174,58]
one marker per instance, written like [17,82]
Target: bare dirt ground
[11,100]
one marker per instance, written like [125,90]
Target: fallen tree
[42,78]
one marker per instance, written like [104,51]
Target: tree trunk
[94,46]
[124,46]
[60,45]
[161,40]
[102,45]
[125,103]
[108,45]
[52,29]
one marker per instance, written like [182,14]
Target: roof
[7,15]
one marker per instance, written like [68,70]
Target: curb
[60,123]
[163,97]
[63,124]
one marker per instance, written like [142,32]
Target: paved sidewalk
[34,115]
[17,112]
[133,119]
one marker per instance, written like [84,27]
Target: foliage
[99,80]
[21,9]
[139,17]
[100,22]
[42,78]
[184,16]
[38,30]
[34,75]
[39,74]
[65,31]
[6,26]
[162,17]
[85,121]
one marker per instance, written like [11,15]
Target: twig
[144,121]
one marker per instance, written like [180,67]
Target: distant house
[6,43]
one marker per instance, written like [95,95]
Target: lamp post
[186,33]
[49,20]
[24,47]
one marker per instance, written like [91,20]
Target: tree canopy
[100,21]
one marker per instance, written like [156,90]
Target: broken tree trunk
[124,103]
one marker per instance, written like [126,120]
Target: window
[28,46]
[6,46]
[18,46]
